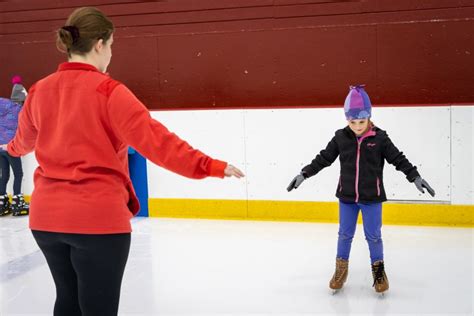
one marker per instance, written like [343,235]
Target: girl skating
[362,149]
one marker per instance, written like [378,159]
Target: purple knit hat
[16,79]
[357,105]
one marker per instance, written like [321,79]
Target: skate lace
[339,272]
[378,273]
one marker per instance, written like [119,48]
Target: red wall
[244,53]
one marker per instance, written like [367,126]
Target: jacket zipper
[378,186]
[359,142]
[340,184]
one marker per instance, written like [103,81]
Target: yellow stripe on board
[324,212]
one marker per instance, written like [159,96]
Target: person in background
[9,111]
[80,123]
[362,149]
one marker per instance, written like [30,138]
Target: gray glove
[295,183]
[421,183]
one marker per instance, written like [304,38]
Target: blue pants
[372,219]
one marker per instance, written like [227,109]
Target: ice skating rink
[213,267]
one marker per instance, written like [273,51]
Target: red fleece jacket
[80,123]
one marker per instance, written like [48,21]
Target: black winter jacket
[362,161]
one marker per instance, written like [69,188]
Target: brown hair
[83,28]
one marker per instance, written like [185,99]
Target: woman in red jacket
[80,122]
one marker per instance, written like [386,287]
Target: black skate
[5,207]
[19,206]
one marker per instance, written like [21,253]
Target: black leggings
[87,271]
[5,162]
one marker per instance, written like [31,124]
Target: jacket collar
[76,66]
[371,132]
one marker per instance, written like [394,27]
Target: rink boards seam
[324,212]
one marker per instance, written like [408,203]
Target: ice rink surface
[214,267]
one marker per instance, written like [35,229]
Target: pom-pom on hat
[357,104]
[16,79]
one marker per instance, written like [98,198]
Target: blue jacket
[9,112]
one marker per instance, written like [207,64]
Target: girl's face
[359,127]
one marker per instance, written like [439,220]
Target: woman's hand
[231,171]
[3,147]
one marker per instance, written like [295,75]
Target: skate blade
[335,291]
[21,213]
[381,295]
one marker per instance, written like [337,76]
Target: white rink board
[279,142]
[271,146]
[462,159]
[219,134]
